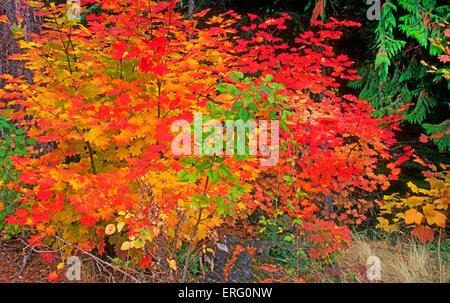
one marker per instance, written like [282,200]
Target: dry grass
[405,260]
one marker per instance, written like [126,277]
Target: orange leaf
[4,19]
[413,216]
[423,138]
[433,216]
[423,233]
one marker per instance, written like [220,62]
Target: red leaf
[146,261]
[53,277]
[120,49]
[252,17]
[48,257]
[423,138]
[318,11]
[444,58]
[437,135]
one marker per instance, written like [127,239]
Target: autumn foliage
[106,94]
[425,210]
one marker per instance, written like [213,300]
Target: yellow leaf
[93,134]
[428,210]
[384,224]
[122,153]
[413,216]
[110,229]
[414,201]
[60,266]
[125,246]
[120,225]
[172,264]
[436,183]
[433,216]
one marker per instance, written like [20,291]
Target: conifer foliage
[409,36]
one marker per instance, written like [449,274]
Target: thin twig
[98,259]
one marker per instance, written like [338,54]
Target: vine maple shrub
[107,94]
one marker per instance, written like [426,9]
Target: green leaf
[243,114]
[272,114]
[20,131]
[268,78]
[204,165]
[222,88]
[213,176]
[238,104]
[236,75]
[183,175]
[247,99]
[224,169]
[254,107]
[31,141]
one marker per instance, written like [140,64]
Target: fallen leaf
[53,277]
[172,264]
[222,247]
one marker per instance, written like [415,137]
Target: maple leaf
[433,216]
[146,261]
[120,49]
[35,240]
[160,70]
[125,245]
[202,13]
[423,233]
[252,17]
[444,58]
[423,138]
[413,216]
[48,257]
[88,220]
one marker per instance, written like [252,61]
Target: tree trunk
[191,8]
[22,15]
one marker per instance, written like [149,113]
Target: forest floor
[402,260]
